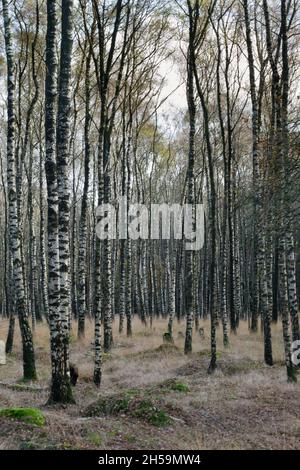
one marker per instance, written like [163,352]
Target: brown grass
[244,405]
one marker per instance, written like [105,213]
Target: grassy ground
[155,397]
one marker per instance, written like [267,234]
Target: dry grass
[244,405]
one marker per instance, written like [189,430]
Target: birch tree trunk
[14,232]
[189,255]
[286,256]
[60,385]
[82,250]
[260,238]
[63,158]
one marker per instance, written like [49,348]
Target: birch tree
[29,369]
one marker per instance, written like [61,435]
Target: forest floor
[154,397]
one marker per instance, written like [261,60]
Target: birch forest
[159,104]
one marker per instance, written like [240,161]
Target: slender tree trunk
[14,233]
[189,255]
[82,250]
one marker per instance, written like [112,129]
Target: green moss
[144,407]
[132,392]
[147,410]
[113,433]
[159,418]
[133,403]
[173,385]
[178,386]
[66,446]
[28,415]
[95,438]
[130,438]
[112,405]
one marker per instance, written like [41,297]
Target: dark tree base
[188,345]
[97,379]
[10,336]
[212,367]
[291,374]
[29,370]
[61,392]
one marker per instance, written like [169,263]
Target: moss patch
[95,438]
[129,438]
[174,385]
[28,415]
[134,403]
[111,405]
[147,410]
